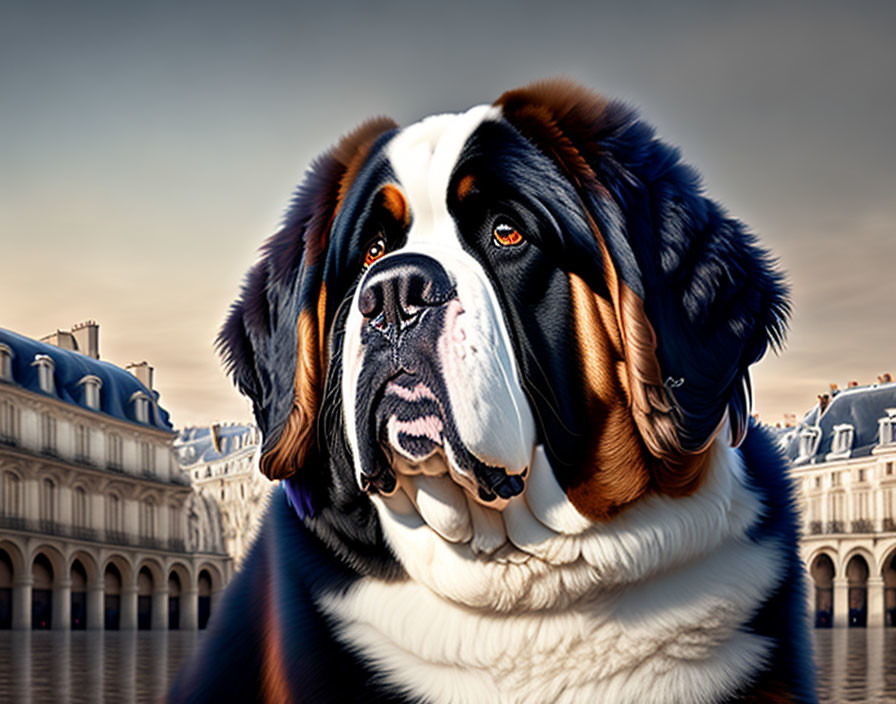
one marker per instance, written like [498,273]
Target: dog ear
[697,301]
[272,342]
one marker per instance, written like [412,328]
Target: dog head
[479,336]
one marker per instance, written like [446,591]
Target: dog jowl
[500,361]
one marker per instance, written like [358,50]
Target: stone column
[876,601]
[841,602]
[96,608]
[21,604]
[160,609]
[128,608]
[62,606]
[189,610]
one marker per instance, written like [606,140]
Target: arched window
[141,406]
[45,367]
[841,443]
[91,389]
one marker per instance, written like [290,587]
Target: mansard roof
[197,444]
[118,386]
[861,407]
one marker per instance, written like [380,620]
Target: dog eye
[506,234]
[375,251]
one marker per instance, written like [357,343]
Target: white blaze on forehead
[423,157]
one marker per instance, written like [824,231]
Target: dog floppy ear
[272,342]
[697,300]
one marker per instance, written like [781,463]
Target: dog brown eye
[506,235]
[375,251]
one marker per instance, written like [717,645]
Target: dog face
[485,349]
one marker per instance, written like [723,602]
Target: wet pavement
[855,665]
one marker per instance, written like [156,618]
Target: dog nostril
[369,302]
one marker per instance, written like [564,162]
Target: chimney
[823,401]
[87,336]
[143,372]
[834,389]
[885,378]
[62,339]
[853,384]
[790,420]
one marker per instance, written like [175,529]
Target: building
[221,462]
[843,457]
[99,527]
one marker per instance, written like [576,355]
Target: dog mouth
[415,428]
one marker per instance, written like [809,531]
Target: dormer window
[91,389]
[888,428]
[141,406]
[6,354]
[45,367]
[809,437]
[841,444]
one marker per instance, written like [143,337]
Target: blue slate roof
[70,368]
[196,444]
[861,407]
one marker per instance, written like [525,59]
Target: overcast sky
[147,149]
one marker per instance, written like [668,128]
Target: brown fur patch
[393,200]
[464,186]
[615,472]
[296,438]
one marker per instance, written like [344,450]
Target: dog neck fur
[622,638]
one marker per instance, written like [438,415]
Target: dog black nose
[395,292]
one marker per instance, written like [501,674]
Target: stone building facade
[222,463]
[843,458]
[99,527]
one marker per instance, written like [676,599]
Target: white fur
[673,637]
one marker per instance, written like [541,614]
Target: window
[888,428]
[809,438]
[113,513]
[47,500]
[174,520]
[861,473]
[147,458]
[141,406]
[9,423]
[91,391]
[147,519]
[841,444]
[45,367]
[82,443]
[889,469]
[835,478]
[79,508]
[6,354]
[113,451]
[817,482]
[12,494]
[48,433]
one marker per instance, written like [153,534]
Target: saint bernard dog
[500,363]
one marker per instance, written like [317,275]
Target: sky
[148,149]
